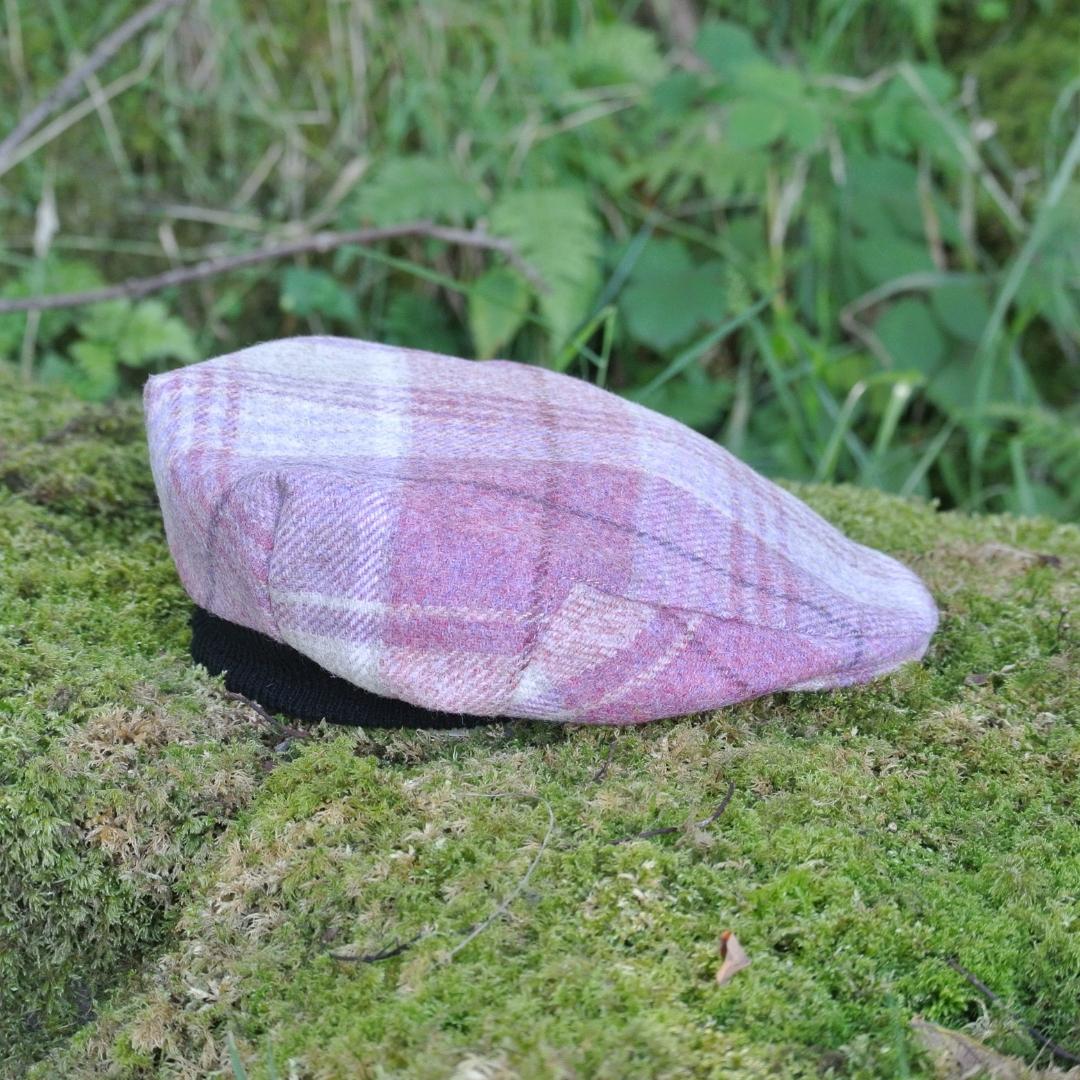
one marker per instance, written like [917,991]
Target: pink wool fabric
[500,540]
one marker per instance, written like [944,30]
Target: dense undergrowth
[186,890]
[841,237]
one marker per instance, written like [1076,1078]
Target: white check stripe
[379,607]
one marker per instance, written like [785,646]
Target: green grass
[179,884]
[891,189]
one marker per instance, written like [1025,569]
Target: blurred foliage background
[840,237]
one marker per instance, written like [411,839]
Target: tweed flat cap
[376,534]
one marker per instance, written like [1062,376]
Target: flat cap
[495,539]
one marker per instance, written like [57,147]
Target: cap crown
[498,539]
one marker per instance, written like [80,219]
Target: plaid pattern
[497,539]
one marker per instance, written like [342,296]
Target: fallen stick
[69,86]
[135,288]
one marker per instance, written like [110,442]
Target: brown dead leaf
[733,958]
[960,1057]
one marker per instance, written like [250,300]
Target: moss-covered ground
[187,889]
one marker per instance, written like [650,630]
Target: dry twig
[69,86]
[668,830]
[383,954]
[1043,1040]
[602,771]
[519,888]
[319,244]
[478,928]
[243,699]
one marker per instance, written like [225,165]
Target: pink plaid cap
[497,539]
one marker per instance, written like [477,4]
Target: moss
[168,882]
[118,763]
[1021,78]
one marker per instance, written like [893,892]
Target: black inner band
[285,681]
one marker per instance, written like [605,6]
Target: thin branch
[1043,1040]
[790,194]
[383,954]
[319,243]
[855,86]
[289,731]
[55,128]
[477,929]
[668,830]
[518,889]
[602,771]
[69,86]
[254,706]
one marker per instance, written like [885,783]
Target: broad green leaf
[753,123]
[941,84]
[699,156]
[694,398]
[963,310]
[669,296]
[882,195]
[416,188]
[926,132]
[884,257]
[55,275]
[611,53]
[138,333]
[763,79]
[105,322]
[306,292]
[556,231]
[887,115]
[419,321]
[805,124]
[153,334]
[911,335]
[676,95]
[950,389]
[95,376]
[725,46]
[923,15]
[498,303]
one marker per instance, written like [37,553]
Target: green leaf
[95,376]
[693,397]
[139,333]
[417,188]
[805,125]
[105,322]
[611,53]
[923,15]
[950,388]
[763,79]
[307,292]
[910,334]
[701,156]
[676,95]
[883,257]
[882,195]
[54,275]
[153,334]
[725,47]
[418,321]
[498,303]
[963,310]
[753,123]
[556,231]
[669,297]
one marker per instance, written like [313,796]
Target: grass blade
[699,348]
